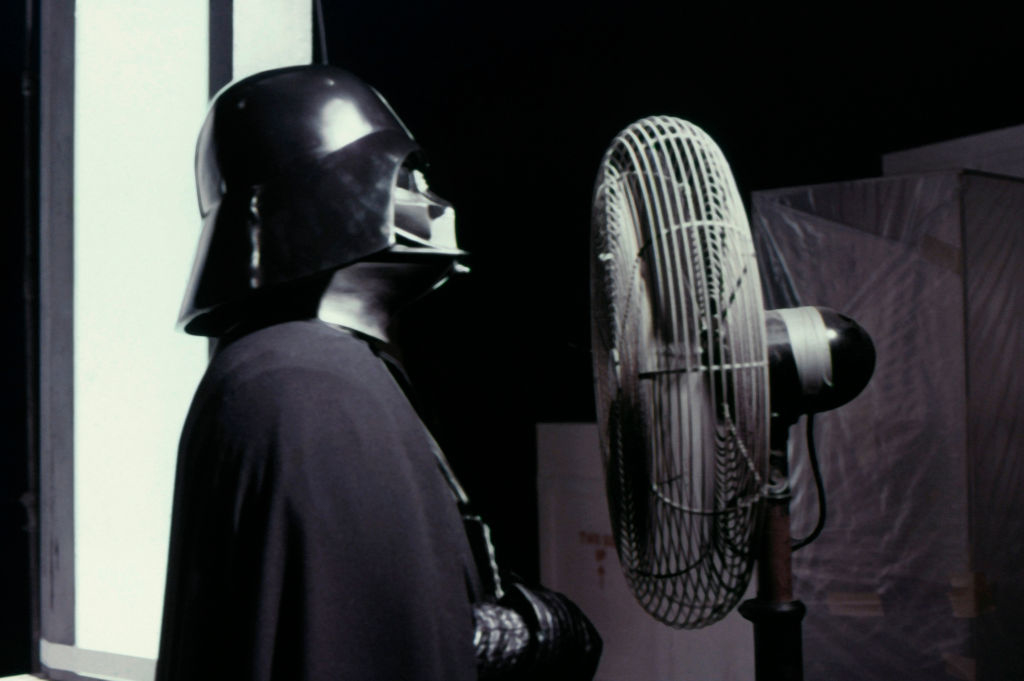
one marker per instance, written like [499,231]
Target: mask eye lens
[419,182]
[411,179]
[405,179]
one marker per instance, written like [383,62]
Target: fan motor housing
[818,360]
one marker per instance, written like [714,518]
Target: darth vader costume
[318,532]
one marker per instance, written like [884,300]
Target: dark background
[515,104]
[17,312]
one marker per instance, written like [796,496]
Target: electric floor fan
[697,386]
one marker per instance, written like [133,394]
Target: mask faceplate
[422,219]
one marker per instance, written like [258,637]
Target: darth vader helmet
[301,171]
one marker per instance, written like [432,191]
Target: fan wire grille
[680,370]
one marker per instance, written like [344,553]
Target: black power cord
[812,454]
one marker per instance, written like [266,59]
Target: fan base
[778,641]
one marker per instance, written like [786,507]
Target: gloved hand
[560,642]
[501,641]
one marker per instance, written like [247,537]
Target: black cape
[313,536]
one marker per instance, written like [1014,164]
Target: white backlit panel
[269,34]
[140,97]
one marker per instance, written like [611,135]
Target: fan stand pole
[778,648]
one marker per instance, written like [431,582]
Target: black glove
[501,641]
[535,634]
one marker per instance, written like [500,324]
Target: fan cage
[680,370]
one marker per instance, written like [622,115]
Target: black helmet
[296,170]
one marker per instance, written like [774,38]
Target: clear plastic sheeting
[919,570]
